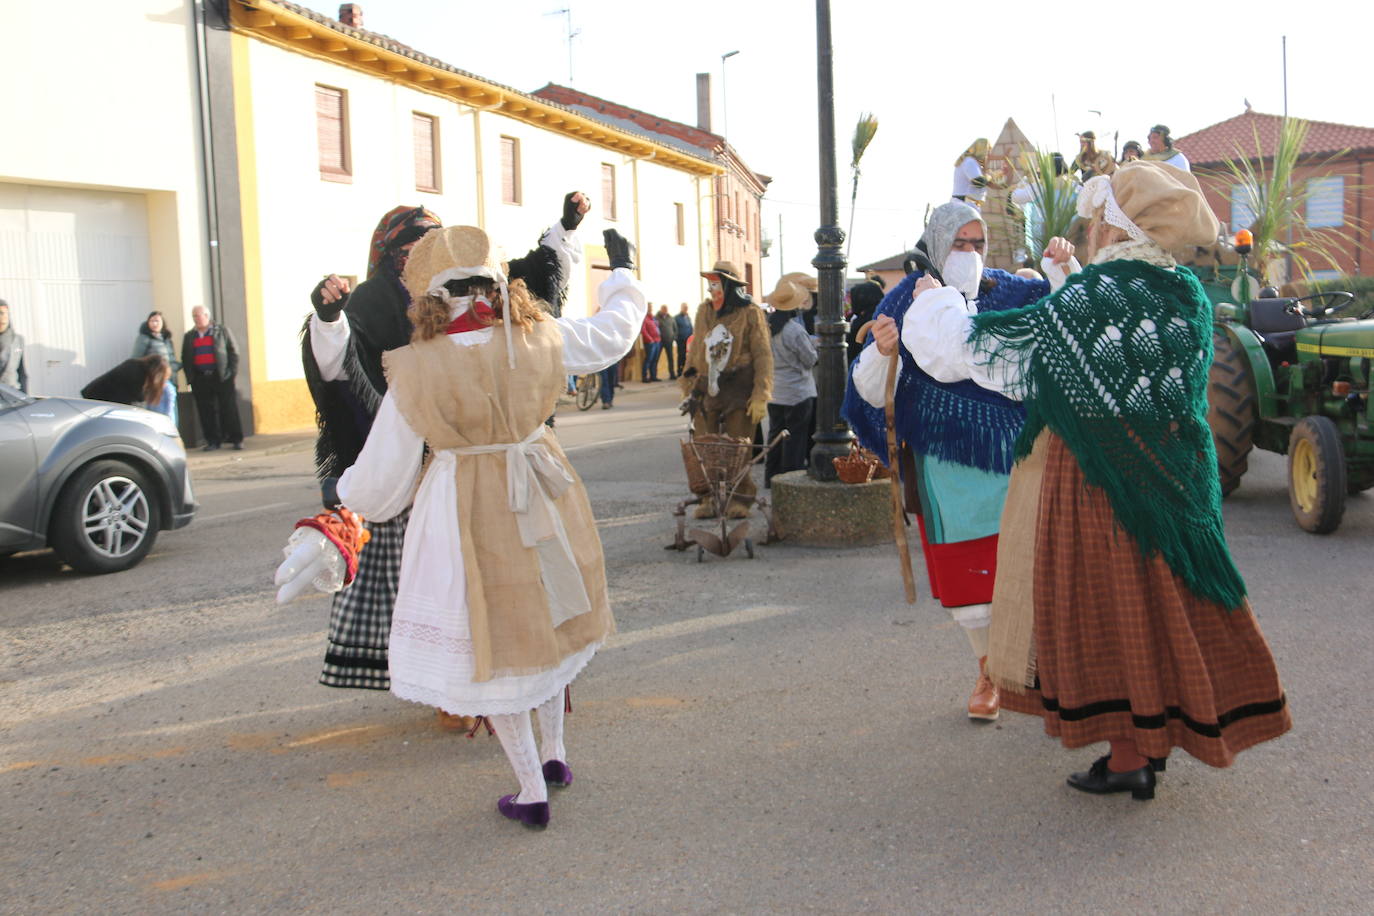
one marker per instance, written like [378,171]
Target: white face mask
[964,271]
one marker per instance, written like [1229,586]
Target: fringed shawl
[960,421]
[1116,364]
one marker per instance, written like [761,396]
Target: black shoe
[1158,763]
[1101,781]
[212,447]
[237,446]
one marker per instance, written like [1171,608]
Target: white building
[235,164]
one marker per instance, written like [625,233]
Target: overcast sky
[936,76]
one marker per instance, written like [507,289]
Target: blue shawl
[959,421]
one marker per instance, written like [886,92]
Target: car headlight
[159,422]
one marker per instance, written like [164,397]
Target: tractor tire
[1231,409]
[1316,475]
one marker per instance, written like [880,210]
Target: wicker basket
[859,466]
[722,458]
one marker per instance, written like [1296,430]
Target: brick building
[1337,167]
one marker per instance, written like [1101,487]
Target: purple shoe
[557,774]
[534,815]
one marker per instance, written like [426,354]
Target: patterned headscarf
[945,222]
[399,226]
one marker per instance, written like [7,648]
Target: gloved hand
[330,297]
[758,409]
[619,250]
[575,206]
[329,493]
[323,551]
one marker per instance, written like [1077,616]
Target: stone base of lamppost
[817,513]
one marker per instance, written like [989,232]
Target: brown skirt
[1126,651]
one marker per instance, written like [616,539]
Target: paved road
[775,735]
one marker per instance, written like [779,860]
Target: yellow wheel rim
[1304,474]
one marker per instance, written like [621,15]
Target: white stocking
[517,740]
[974,618]
[551,730]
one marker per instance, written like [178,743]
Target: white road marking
[223,515]
[697,625]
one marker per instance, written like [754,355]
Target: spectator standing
[154,338]
[864,299]
[652,344]
[667,335]
[211,359]
[684,331]
[793,402]
[13,372]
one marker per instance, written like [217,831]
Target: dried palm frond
[864,132]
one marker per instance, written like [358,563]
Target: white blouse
[935,332]
[379,486]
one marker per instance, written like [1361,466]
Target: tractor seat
[1276,328]
[1268,316]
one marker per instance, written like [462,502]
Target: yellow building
[233,162]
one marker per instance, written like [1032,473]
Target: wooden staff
[894,475]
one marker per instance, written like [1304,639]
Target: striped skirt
[1125,651]
[360,622]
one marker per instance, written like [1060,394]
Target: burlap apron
[1011,637]
[519,501]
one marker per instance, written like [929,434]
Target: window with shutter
[608,190]
[1242,213]
[331,129]
[1326,202]
[425,131]
[510,170]
[681,224]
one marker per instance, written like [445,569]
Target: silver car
[93,480]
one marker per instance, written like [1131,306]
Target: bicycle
[588,390]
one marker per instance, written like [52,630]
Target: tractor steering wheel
[1343,299]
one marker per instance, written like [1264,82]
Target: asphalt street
[780,734]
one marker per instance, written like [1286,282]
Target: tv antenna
[572,33]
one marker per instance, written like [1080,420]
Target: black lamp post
[832,432]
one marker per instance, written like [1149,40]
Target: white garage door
[74,269]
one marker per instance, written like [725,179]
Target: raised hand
[575,206]
[618,249]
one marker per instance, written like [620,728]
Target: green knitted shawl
[1115,363]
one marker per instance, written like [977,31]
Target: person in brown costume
[729,370]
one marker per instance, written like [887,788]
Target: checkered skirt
[360,622]
[1126,651]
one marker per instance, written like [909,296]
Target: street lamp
[724,102]
[832,432]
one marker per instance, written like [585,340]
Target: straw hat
[792,292]
[725,269]
[455,253]
[1149,199]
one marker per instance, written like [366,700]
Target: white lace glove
[314,558]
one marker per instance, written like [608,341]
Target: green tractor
[1292,375]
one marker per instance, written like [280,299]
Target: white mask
[964,271]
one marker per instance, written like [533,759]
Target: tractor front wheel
[1231,408]
[1316,475]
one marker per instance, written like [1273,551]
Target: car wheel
[106,519]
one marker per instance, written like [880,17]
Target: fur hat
[1151,200]
[792,292]
[724,269]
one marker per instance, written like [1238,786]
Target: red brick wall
[1357,253]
